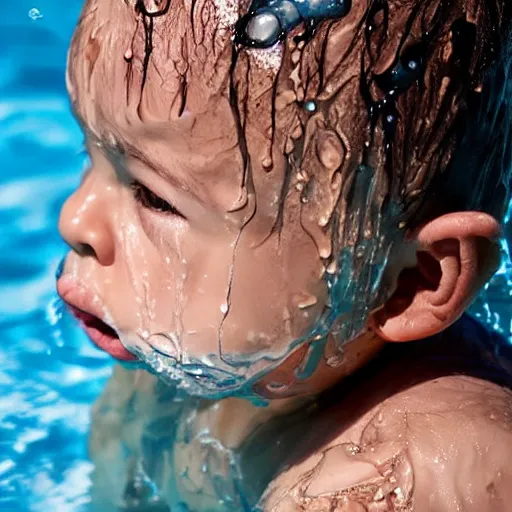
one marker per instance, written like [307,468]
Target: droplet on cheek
[307,301]
[277,387]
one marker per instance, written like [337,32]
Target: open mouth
[102,335]
[80,302]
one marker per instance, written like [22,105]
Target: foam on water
[49,373]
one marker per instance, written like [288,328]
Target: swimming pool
[49,373]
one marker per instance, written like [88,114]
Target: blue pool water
[49,374]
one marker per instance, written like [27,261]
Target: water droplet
[325,252]
[324,220]
[331,268]
[379,495]
[35,14]
[310,106]
[263,29]
[297,132]
[224,308]
[335,361]
[128,55]
[267,162]
[277,387]
[412,64]
[306,301]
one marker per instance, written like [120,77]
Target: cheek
[214,295]
[276,296]
[147,275]
[182,288]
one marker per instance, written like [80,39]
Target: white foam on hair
[227,13]
[267,58]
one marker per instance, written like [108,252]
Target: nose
[85,222]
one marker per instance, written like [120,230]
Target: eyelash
[151,201]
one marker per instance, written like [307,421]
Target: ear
[456,254]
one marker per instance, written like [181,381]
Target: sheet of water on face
[49,374]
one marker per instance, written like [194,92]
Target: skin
[406,454]
[258,201]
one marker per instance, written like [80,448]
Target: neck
[231,420]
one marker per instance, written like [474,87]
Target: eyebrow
[188,186]
[125,148]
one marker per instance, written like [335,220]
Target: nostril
[82,249]
[86,250]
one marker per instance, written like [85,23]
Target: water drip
[269,22]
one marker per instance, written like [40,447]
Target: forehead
[126,67]
[165,81]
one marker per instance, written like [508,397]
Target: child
[277,190]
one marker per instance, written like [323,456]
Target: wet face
[225,180]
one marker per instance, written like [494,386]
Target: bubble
[35,14]
[412,65]
[264,28]
[310,106]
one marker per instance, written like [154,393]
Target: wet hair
[438,111]
[431,133]
[479,176]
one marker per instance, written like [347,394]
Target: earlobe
[457,254]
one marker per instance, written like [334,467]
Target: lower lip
[103,336]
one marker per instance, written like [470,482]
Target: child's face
[175,229]
[220,181]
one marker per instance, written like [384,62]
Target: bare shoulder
[444,445]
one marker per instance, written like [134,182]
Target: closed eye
[148,199]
